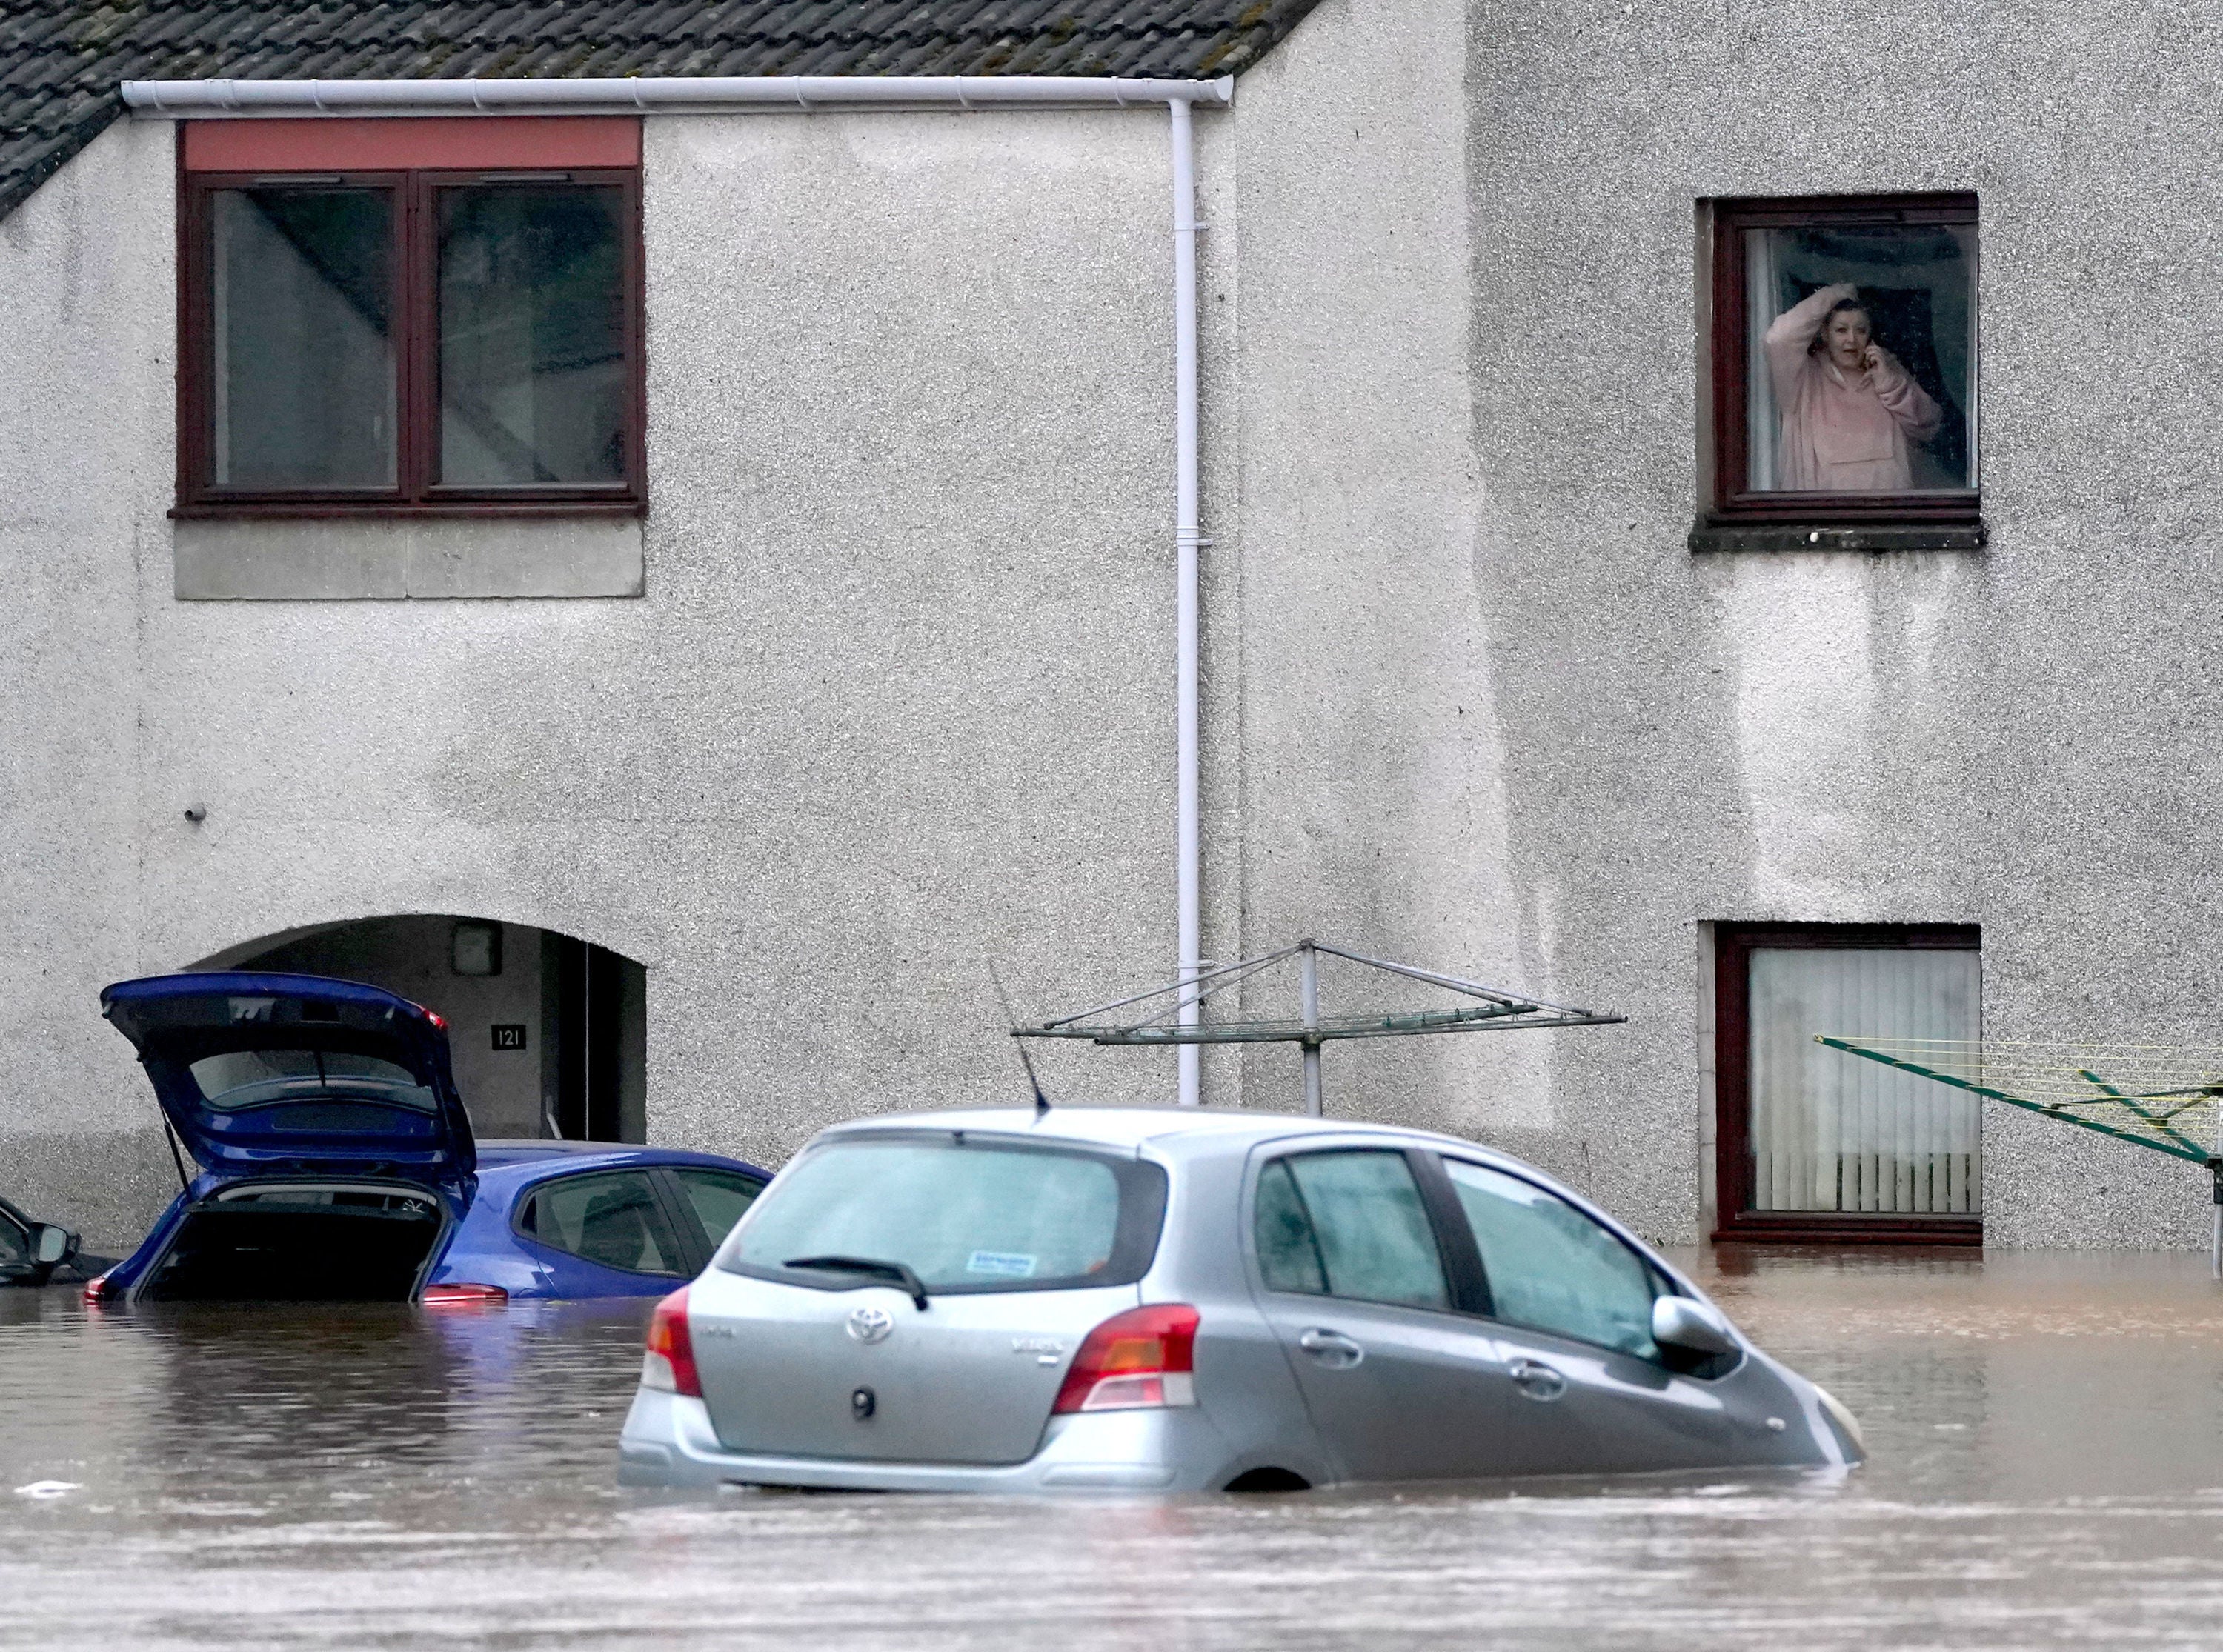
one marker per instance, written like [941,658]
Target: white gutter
[681,95]
[659,94]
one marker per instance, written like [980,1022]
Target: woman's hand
[1839,291]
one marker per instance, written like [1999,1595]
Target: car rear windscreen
[241,1078]
[964,1215]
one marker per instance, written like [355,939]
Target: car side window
[1351,1224]
[716,1199]
[1550,1267]
[14,1243]
[611,1218]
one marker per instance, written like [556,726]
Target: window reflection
[302,337]
[1863,357]
[532,368]
[612,1219]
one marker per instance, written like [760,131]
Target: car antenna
[1041,1101]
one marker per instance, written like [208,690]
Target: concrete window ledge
[431,557]
[1935,536]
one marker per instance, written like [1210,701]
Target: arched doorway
[549,1032]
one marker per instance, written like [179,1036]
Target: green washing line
[2177,1146]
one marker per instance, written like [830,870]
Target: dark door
[586,1045]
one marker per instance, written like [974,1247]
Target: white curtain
[1834,1132]
[1761,301]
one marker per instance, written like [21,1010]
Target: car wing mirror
[1687,1323]
[51,1245]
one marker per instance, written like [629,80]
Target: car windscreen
[964,1214]
[240,1079]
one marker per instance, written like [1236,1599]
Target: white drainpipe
[679,95]
[1188,869]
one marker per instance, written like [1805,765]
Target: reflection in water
[2048,1472]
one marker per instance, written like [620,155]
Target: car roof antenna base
[1011,1022]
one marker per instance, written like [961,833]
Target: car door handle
[1536,1380]
[1331,1348]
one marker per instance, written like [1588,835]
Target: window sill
[412,556]
[1847,536]
[451,510]
[1824,1228]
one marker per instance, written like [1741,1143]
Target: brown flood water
[2046,1433]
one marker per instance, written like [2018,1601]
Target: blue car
[336,1164]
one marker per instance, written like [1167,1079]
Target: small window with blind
[1815,1144]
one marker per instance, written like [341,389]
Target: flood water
[2047,1471]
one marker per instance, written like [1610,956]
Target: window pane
[1550,1267]
[532,370]
[612,1219]
[1288,1255]
[1830,1132]
[1863,357]
[300,292]
[1371,1229]
[241,1078]
[971,1216]
[717,1199]
[14,1243]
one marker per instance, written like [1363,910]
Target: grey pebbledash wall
[898,691]
[1556,731]
[897,698]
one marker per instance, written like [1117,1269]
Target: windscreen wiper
[893,1270]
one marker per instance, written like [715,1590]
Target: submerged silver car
[1171,1300]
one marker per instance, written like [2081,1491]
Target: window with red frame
[1815,1144]
[1844,364]
[381,316]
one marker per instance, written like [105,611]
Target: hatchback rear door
[293,1075]
[811,1341]
[863,1373]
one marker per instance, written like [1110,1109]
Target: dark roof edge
[104,111]
[81,130]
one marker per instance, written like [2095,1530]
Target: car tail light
[462,1294]
[1140,1360]
[670,1362]
[97,1290]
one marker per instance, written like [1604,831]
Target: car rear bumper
[668,1441]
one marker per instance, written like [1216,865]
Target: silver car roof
[1175,1130]
[1199,1133]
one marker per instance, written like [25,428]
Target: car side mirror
[51,1245]
[1687,1323]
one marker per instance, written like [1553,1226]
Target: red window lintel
[402,143]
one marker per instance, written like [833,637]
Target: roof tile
[61,61]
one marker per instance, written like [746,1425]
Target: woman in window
[1850,413]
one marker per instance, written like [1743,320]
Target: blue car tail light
[462,1294]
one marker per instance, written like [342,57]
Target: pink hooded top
[1841,434]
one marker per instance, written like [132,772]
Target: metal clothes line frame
[1175,1015]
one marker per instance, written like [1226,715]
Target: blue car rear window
[240,1079]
